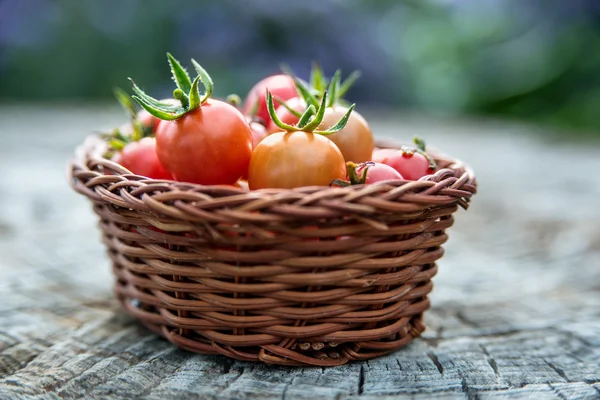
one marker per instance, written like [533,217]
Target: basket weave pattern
[309,276]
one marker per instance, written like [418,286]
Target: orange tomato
[294,159]
[355,140]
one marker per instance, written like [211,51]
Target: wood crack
[361,380]
[491,361]
[232,381]
[558,370]
[466,388]
[285,389]
[557,392]
[436,362]
[494,366]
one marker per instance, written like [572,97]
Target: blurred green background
[534,61]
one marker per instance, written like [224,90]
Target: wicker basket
[303,277]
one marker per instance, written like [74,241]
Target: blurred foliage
[534,60]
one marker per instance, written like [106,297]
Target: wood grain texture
[515,310]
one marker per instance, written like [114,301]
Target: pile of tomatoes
[287,133]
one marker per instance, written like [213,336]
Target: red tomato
[294,159]
[141,159]
[280,86]
[411,166]
[378,172]
[355,140]
[147,119]
[259,132]
[211,145]
[295,103]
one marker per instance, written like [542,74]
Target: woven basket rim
[89,155]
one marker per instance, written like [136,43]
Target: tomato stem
[207,81]
[139,131]
[310,124]
[187,92]
[319,116]
[353,178]
[304,91]
[317,77]
[313,91]
[340,182]
[180,75]
[234,100]
[305,118]
[125,101]
[182,97]
[282,103]
[341,123]
[353,175]
[347,84]
[421,149]
[275,118]
[420,143]
[127,105]
[333,86]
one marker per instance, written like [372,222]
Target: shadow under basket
[314,276]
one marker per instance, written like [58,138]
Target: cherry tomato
[411,166]
[295,103]
[355,140]
[141,159]
[259,132]
[210,145]
[378,172]
[294,159]
[280,86]
[147,119]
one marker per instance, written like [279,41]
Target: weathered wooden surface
[516,307]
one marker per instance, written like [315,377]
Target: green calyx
[420,149]
[187,92]
[318,84]
[234,100]
[139,131]
[116,139]
[310,119]
[283,104]
[353,177]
